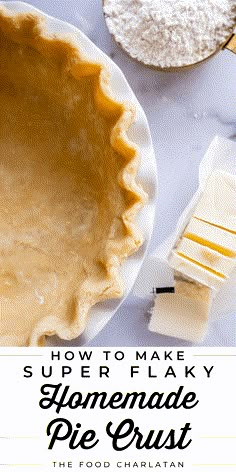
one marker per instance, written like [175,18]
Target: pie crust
[68,195]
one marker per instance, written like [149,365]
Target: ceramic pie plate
[138,133]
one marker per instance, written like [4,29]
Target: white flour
[167,33]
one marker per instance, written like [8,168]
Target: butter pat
[180,316]
[218,202]
[183,314]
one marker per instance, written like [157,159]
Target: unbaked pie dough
[68,197]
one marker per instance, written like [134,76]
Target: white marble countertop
[185,111]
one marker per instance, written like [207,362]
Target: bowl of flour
[170,34]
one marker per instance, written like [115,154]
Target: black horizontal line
[158,290]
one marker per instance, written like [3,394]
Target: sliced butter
[218,203]
[196,271]
[219,239]
[180,316]
[203,259]
[206,256]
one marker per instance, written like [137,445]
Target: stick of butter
[202,259]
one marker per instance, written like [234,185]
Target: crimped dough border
[27,28]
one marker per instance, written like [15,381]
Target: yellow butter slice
[196,271]
[212,236]
[206,256]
